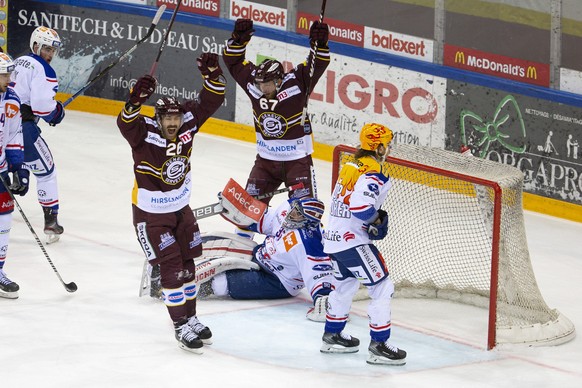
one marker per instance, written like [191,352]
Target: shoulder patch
[11,109]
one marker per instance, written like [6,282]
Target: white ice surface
[105,336]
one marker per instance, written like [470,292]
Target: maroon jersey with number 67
[279,133]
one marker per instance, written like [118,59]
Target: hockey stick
[312,68]
[216,208]
[121,58]
[70,287]
[165,40]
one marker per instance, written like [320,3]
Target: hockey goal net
[457,232]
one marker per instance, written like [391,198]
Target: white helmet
[6,64]
[44,36]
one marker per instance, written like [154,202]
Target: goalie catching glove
[378,229]
[239,207]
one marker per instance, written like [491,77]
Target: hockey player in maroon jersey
[284,146]
[164,223]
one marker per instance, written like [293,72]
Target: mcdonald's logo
[460,57]
[531,72]
[303,24]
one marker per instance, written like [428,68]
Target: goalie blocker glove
[378,229]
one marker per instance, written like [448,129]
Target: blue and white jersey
[360,191]
[36,83]
[12,150]
[295,256]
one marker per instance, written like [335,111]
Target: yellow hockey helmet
[372,135]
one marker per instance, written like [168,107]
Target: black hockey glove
[378,229]
[209,66]
[243,31]
[20,179]
[142,90]
[319,33]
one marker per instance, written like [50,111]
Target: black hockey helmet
[269,70]
[168,106]
[165,107]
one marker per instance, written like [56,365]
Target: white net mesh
[441,236]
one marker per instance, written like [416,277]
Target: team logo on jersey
[272,124]
[373,187]
[11,110]
[174,169]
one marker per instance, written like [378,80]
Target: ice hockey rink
[104,335]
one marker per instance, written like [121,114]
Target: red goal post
[457,232]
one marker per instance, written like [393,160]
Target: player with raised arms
[164,222]
[284,146]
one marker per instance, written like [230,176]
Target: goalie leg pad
[223,244]
[319,310]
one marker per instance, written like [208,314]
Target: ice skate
[202,331]
[188,340]
[8,288]
[52,229]
[319,310]
[339,343]
[382,353]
